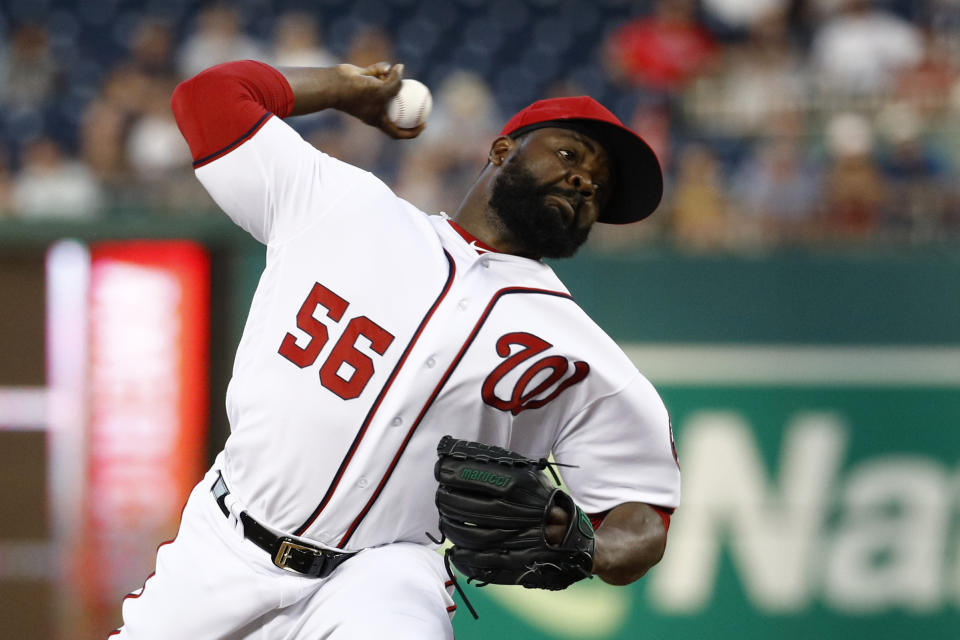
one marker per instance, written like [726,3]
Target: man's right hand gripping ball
[495,506]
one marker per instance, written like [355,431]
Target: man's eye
[566,154]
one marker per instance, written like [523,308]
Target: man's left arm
[629,541]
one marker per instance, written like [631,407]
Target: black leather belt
[287,553]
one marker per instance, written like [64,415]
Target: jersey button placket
[463,304]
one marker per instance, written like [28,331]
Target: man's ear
[500,149]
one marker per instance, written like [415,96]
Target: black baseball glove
[494,505]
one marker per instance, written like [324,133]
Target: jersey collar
[478,245]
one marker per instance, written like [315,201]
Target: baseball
[411,105]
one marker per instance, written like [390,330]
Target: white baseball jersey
[376,329]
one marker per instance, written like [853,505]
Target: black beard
[538,230]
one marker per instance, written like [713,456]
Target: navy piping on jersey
[376,404]
[436,392]
[216,154]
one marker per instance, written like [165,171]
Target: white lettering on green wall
[771,520]
[802,528]
[890,543]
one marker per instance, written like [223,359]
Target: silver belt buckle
[285,551]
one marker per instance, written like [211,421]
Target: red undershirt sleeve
[220,108]
[664,515]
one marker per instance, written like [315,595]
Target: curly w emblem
[552,374]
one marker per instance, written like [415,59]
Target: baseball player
[375,331]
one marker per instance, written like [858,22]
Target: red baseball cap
[638,181]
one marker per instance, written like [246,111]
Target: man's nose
[583,184]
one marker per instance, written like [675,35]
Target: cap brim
[638,180]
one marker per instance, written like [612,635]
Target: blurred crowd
[778,122]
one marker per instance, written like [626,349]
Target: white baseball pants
[210,583]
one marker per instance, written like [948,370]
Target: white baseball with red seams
[411,106]
[375,330]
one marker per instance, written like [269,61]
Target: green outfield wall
[852,296]
[816,403]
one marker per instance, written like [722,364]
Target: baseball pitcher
[402,377]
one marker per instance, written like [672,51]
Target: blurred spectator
[52,186]
[759,81]
[661,51]
[107,121]
[157,155]
[446,159]
[296,42]
[29,72]
[777,191]
[351,140]
[155,146]
[151,49]
[927,85]
[854,188]
[860,49]
[128,138]
[217,38]
[369,45]
[918,180]
[742,15]
[698,215]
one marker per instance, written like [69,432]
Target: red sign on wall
[148,390]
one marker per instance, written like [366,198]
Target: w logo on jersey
[540,383]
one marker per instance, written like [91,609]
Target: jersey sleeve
[621,450]
[258,170]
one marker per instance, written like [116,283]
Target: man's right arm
[220,107]
[361,92]
[258,169]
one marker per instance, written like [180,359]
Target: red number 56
[344,351]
